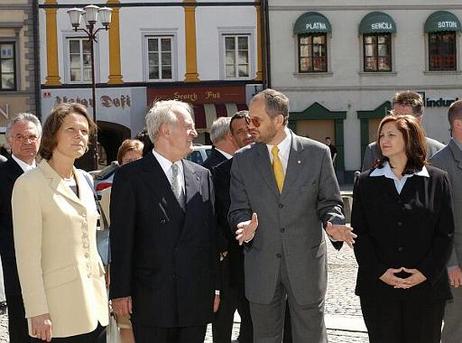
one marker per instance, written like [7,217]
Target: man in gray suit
[406,102]
[283,192]
[450,160]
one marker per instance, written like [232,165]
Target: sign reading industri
[199,94]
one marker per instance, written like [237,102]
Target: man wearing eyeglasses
[283,192]
[23,136]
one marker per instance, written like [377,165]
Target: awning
[205,114]
[312,22]
[377,22]
[442,21]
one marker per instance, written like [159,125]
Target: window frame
[299,57]
[388,36]
[160,36]
[15,67]
[429,49]
[68,35]
[236,37]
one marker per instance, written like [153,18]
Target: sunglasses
[255,121]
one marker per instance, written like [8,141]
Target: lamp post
[90,15]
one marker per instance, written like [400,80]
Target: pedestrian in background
[54,221]
[406,102]
[164,267]
[450,160]
[232,297]
[283,193]
[402,215]
[23,135]
[130,150]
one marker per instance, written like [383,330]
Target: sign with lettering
[315,26]
[199,94]
[124,106]
[447,25]
[383,26]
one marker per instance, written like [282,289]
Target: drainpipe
[267,55]
[35,24]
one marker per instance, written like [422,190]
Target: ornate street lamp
[90,14]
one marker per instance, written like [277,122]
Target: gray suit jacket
[450,160]
[290,223]
[372,152]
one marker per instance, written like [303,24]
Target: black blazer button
[400,249]
[399,224]
[278,255]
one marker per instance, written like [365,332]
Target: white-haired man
[23,136]
[164,261]
[224,144]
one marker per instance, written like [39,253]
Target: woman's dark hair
[55,121]
[415,145]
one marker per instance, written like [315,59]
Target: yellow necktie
[277,168]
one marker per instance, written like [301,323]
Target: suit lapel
[456,152]
[263,164]
[58,185]
[295,164]
[192,183]
[14,170]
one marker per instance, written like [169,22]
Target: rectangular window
[79,60]
[312,53]
[377,52]
[237,59]
[160,64]
[442,51]
[7,66]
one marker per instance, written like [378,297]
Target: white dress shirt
[284,150]
[24,166]
[399,184]
[166,166]
[225,154]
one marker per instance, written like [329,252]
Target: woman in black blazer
[403,217]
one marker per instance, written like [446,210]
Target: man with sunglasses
[283,192]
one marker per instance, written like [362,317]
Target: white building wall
[345,87]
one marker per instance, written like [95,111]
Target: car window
[195,157]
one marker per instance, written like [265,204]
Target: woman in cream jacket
[54,222]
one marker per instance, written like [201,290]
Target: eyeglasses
[21,138]
[255,121]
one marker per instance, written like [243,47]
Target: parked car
[200,153]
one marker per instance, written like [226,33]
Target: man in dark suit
[406,102]
[450,160]
[164,268]
[23,135]
[232,260]
[283,191]
[224,144]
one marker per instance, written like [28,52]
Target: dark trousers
[96,336]
[17,322]
[232,298]
[149,334]
[403,320]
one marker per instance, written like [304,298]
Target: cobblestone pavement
[340,299]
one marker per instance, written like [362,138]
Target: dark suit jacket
[9,172]
[221,180]
[163,257]
[214,159]
[413,229]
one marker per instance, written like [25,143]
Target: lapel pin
[299,162]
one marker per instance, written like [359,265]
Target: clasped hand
[415,278]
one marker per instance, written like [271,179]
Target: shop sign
[447,24]
[384,26]
[199,94]
[441,102]
[315,26]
